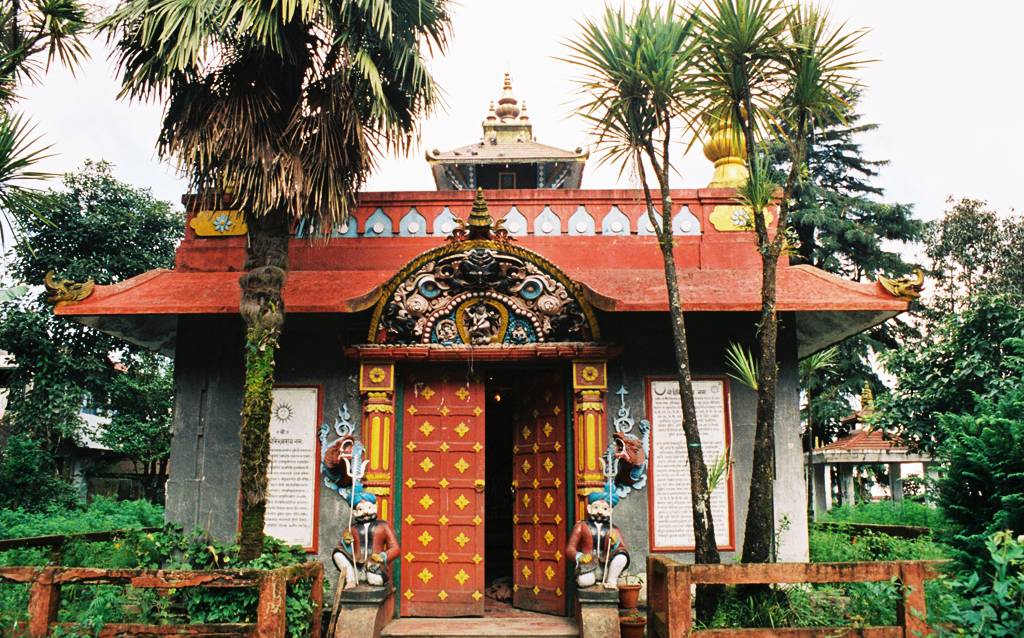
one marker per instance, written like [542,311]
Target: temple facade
[483,346]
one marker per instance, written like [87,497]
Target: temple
[486,343]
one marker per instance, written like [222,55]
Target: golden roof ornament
[66,291]
[480,224]
[867,399]
[727,151]
[508,106]
[491,116]
[906,288]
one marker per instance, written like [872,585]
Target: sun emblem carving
[377,375]
[589,374]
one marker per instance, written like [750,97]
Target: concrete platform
[517,626]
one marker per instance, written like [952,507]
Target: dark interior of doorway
[500,432]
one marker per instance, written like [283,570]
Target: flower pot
[628,596]
[632,627]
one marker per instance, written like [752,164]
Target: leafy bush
[989,604]
[102,514]
[169,548]
[850,605]
[982,492]
[828,546]
[889,513]
[25,476]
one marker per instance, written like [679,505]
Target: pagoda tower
[508,155]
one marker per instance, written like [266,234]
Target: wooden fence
[45,584]
[670,605]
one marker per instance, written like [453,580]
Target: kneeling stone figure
[368,547]
[591,540]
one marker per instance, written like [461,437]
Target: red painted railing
[45,584]
[670,605]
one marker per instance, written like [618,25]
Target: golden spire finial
[508,106]
[491,116]
[481,215]
[867,399]
[728,152]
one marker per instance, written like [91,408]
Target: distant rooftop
[508,155]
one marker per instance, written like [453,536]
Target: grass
[888,513]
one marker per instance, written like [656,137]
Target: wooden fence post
[271,617]
[43,603]
[317,594]
[679,606]
[912,611]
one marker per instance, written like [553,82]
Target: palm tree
[635,74]
[771,69]
[33,34]
[287,105]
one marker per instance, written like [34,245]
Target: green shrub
[889,513]
[829,546]
[92,606]
[26,477]
[982,492]
[989,603]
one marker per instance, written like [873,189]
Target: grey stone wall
[203,486]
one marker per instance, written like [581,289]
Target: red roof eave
[800,289]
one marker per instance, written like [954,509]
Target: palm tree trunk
[706,546]
[262,309]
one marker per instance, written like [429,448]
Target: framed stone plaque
[293,487]
[669,507]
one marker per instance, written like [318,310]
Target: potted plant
[629,591]
[632,623]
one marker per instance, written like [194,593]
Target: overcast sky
[946,91]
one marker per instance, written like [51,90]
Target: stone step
[535,626]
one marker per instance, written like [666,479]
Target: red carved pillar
[590,389]
[377,388]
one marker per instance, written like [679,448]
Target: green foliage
[966,356]
[974,251]
[843,227]
[852,605]
[741,361]
[982,491]
[828,546]
[28,30]
[988,603]
[91,606]
[889,513]
[95,228]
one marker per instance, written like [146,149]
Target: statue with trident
[368,545]
[596,543]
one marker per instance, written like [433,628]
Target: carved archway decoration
[481,289]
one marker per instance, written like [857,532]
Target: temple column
[846,491]
[820,489]
[590,390]
[896,481]
[377,389]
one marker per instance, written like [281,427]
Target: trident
[355,468]
[610,469]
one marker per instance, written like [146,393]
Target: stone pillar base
[597,611]
[363,612]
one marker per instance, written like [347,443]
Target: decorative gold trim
[219,223]
[732,218]
[464,246]
[65,291]
[906,288]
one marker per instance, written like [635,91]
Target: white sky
[946,90]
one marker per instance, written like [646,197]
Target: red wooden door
[443,496]
[539,514]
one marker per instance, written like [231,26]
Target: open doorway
[500,423]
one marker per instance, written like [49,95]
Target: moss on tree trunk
[262,309]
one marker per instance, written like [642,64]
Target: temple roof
[507,139]
[596,238]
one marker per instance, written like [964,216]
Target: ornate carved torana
[480,289]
